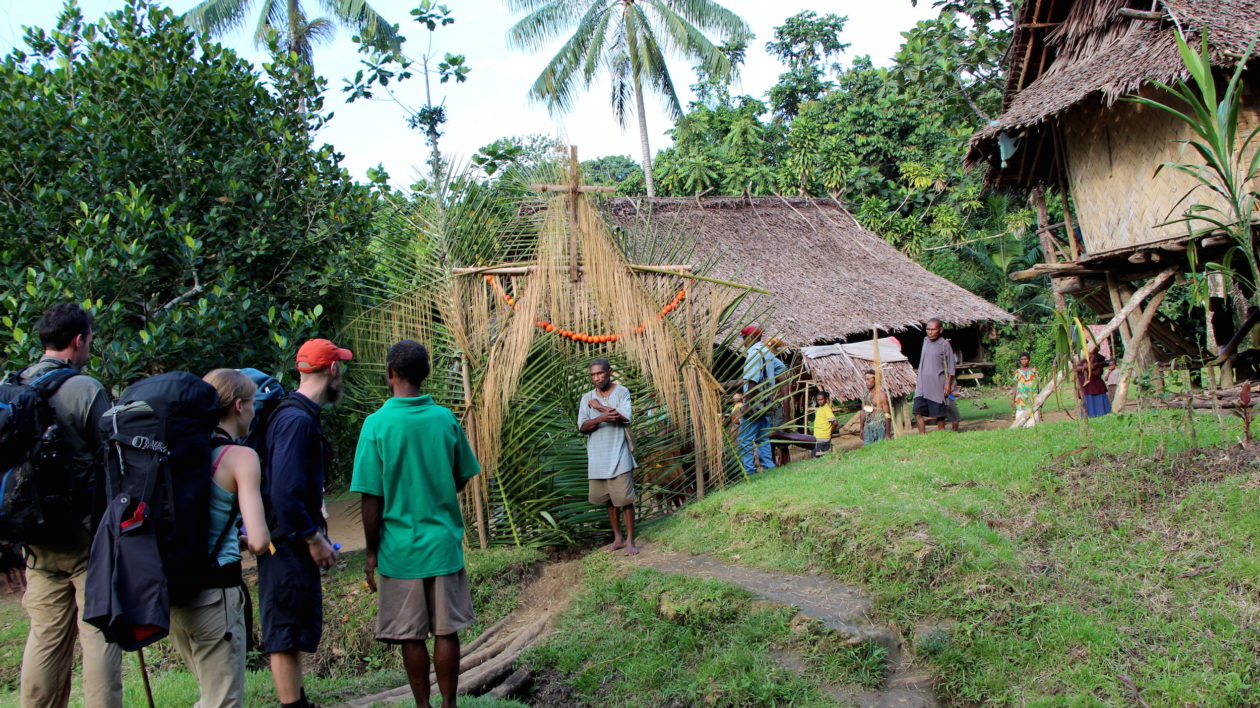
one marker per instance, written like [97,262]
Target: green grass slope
[1118,573]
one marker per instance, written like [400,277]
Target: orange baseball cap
[319,354]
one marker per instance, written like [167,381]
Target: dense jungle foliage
[157,179]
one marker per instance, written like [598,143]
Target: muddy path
[489,660]
[843,609]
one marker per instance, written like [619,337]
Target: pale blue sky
[493,103]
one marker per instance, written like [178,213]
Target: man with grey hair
[936,377]
[604,418]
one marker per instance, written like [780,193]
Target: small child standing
[1025,389]
[824,422]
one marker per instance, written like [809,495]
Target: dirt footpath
[345,522]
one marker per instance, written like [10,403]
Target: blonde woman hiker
[209,632]
[1026,387]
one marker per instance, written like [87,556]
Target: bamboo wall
[1112,154]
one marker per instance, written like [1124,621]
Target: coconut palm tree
[218,17]
[626,39]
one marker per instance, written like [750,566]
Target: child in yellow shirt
[825,423]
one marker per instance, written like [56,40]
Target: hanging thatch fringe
[1097,51]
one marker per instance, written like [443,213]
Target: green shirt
[410,453]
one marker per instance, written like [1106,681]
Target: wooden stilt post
[1145,353]
[1132,353]
[1038,198]
[1151,286]
[1069,225]
[1113,291]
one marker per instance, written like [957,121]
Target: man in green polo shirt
[412,458]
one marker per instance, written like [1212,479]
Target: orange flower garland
[582,336]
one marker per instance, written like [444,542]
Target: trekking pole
[144,674]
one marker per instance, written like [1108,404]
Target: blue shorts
[290,599]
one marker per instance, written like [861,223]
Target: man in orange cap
[294,454]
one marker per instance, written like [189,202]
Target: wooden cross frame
[574,187]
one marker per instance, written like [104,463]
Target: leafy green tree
[157,180]
[888,142]
[955,58]
[804,42]
[627,40]
[723,149]
[518,157]
[386,64]
[610,170]
[288,19]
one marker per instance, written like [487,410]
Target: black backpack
[43,501]
[151,549]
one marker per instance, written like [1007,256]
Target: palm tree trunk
[636,69]
[643,139]
[295,32]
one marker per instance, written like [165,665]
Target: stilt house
[1065,127]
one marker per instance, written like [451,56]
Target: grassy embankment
[645,638]
[350,662]
[1123,572]
[1125,568]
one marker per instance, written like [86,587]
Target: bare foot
[632,550]
[616,545]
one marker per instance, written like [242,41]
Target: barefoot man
[604,418]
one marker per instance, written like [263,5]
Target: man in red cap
[294,454]
[761,367]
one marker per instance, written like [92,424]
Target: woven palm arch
[1065,128]
[487,282]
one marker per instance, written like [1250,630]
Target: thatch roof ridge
[1093,51]
[831,278]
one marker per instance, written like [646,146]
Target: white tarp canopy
[889,351]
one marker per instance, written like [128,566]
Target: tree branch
[195,290]
[967,97]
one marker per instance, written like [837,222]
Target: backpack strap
[289,401]
[47,384]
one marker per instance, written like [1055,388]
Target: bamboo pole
[528,268]
[574,184]
[1131,353]
[1151,286]
[476,488]
[682,271]
[584,189]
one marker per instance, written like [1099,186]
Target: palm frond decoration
[483,278]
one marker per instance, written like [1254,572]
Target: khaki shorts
[619,491]
[411,609]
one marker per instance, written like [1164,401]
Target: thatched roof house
[831,279]
[1063,124]
[838,368]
